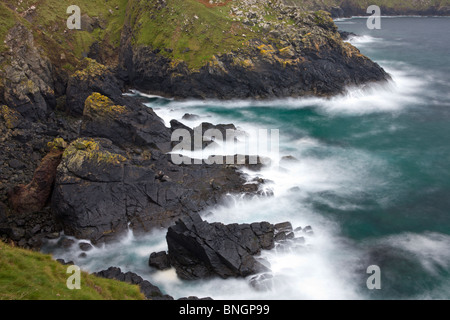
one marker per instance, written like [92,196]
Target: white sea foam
[403,91]
[327,267]
[431,249]
[363,39]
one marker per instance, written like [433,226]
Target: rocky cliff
[244,49]
[93,162]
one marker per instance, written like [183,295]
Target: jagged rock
[149,290]
[198,249]
[28,80]
[63,262]
[222,128]
[206,133]
[283,227]
[65,242]
[312,60]
[91,77]
[29,230]
[195,298]
[345,35]
[159,260]
[100,189]
[308,230]
[125,124]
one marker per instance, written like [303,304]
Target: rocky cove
[81,159]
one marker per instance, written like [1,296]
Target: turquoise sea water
[372,179]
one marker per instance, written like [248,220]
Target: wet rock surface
[198,249]
[143,192]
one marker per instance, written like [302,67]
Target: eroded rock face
[27,83]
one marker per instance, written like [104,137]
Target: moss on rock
[85,149]
[90,69]
[57,144]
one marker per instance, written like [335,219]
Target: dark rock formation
[349,8]
[159,260]
[125,125]
[198,249]
[100,189]
[28,80]
[265,77]
[92,77]
[85,246]
[345,35]
[309,63]
[149,290]
[29,230]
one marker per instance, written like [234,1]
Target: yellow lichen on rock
[99,104]
[10,116]
[245,63]
[57,144]
[266,50]
[86,149]
[351,51]
[92,69]
[217,65]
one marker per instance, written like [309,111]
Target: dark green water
[372,178]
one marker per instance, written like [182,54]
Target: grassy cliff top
[28,275]
[102,22]
[184,30]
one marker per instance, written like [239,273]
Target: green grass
[188,24]
[48,24]
[7,20]
[28,275]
